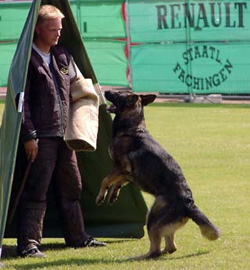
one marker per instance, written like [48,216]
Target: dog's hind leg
[170,246]
[169,235]
[155,228]
[154,235]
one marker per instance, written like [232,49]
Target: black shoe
[91,242]
[33,252]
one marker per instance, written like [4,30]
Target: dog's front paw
[114,193]
[100,199]
[112,199]
[101,195]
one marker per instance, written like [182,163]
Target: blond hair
[48,12]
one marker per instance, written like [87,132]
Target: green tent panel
[126,218]
[10,128]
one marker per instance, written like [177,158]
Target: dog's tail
[208,229]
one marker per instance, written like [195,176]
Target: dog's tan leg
[113,177]
[169,234]
[170,244]
[155,229]
[155,243]
[115,190]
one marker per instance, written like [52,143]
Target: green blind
[159,21]
[100,24]
[108,60]
[12,18]
[167,33]
[101,19]
[7,52]
[200,68]
[190,46]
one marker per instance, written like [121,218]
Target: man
[45,111]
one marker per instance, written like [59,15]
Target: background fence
[190,46]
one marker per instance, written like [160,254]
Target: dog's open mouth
[111,108]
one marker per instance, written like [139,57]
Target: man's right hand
[31,149]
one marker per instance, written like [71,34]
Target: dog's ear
[132,99]
[146,99]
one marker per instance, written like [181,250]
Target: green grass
[212,145]
[1,108]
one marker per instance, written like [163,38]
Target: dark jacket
[47,96]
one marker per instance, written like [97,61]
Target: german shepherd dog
[139,159]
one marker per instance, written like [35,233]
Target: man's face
[49,31]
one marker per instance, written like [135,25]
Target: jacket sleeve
[28,131]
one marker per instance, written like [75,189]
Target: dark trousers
[55,162]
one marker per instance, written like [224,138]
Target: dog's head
[127,100]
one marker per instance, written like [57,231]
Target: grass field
[212,145]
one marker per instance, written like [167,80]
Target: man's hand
[31,149]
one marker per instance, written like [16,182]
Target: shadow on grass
[116,241]
[9,251]
[50,264]
[200,253]
[166,257]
